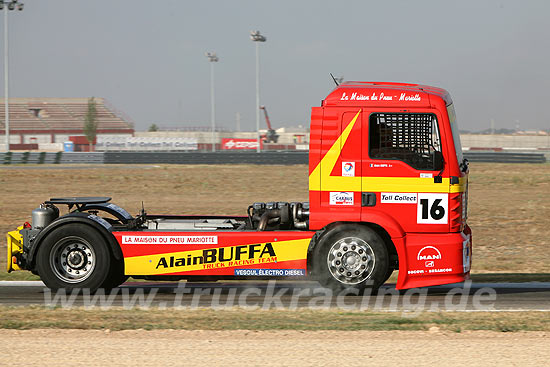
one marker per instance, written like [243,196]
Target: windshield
[456,135]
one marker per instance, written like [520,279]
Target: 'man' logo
[428,253]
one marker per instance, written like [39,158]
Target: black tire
[116,275]
[350,241]
[73,256]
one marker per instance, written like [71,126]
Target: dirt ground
[509,212]
[509,207]
[275,348]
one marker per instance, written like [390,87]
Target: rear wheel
[73,256]
[351,256]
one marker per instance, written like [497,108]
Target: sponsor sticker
[357,96]
[430,271]
[441,270]
[169,240]
[398,198]
[381,165]
[348,169]
[341,198]
[214,260]
[270,272]
[426,175]
[221,257]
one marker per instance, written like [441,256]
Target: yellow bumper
[15,247]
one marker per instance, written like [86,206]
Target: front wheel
[73,256]
[351,256]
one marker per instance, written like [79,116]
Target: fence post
[7,158]
[58,157]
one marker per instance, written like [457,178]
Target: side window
[409,137]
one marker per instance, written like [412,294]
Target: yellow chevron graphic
[327,164]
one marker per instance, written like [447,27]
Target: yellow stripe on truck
[393,184]
[184,261]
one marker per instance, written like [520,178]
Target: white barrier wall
[144,143]
[505,141]
[50,147]
[205,137]
[61,138]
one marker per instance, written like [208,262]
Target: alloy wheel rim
[72,260]
[351,260]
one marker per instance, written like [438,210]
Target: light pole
[7,6]
[255,36]
[212,58]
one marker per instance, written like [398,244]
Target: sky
[147,58]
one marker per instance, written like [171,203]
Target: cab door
[340,168]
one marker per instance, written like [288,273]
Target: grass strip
[239,319]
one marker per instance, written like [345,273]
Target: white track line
[21,283]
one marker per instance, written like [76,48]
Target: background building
[46,123]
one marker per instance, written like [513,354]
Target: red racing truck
[388,190]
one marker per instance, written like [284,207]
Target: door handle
[368,199]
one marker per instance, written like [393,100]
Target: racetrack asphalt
[467,297]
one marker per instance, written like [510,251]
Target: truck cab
[388,155]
